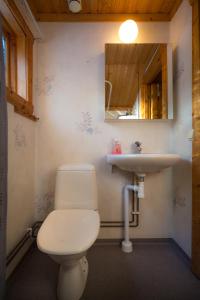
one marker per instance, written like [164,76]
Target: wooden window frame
[11,57]
[23,106]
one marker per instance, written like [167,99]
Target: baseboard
[21,248]
[18,257]
[180,251]
[138,240]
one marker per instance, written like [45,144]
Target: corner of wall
[181,39]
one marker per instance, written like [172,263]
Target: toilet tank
[76,187]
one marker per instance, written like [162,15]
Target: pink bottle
[116,147]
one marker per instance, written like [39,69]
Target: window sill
[21,106]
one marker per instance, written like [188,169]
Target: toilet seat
[67,232]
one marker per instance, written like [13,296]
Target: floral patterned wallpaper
[19,136]
[86,125]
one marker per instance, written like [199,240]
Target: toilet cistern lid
[69,231]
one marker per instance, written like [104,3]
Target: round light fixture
[128,31]
[74,5]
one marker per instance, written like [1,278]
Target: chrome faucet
[137,147]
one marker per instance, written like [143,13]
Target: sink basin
[143,163]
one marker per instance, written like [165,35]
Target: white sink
[143,163]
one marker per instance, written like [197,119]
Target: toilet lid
[70,231]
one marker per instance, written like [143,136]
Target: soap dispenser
[116,149]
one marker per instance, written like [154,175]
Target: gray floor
[154,271]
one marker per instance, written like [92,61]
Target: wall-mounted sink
[143,163]
[139,164]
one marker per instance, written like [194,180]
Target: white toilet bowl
[66,235]
[72,228]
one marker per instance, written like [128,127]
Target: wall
[181,37]
[21,149]
[21,175]
[70,94]
[72,129]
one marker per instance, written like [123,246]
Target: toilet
[71,228]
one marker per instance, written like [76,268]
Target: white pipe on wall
[127,245]
[110,93]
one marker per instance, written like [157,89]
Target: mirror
[138,81]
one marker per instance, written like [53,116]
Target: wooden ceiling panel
[105,10]
[129,53]
[50,6]
[124,77]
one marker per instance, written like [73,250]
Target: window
[18,53]
[9,45]
[4,44]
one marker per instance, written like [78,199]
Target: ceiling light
[74,5]
[128,31]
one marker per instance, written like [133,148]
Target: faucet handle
[138,146]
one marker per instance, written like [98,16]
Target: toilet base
[72,280]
